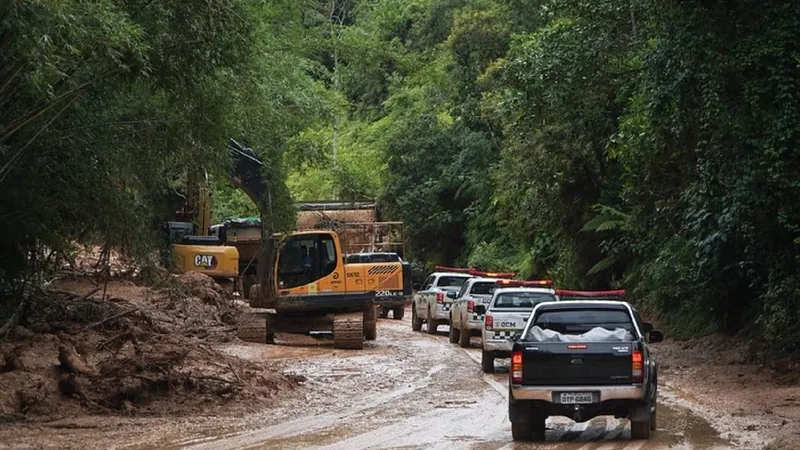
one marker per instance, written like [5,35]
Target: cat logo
[205,261]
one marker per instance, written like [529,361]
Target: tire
[432,324]
[487,362]
[641,430]
[653,414]
[384,313]
[453,333]
[528,430]
[416,322]
[521,431]
[464,338]
[398,313]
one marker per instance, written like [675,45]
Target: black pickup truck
[583,359]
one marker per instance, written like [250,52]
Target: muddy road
[406,390]
[412,390]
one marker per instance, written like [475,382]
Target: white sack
[597,334]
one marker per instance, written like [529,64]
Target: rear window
[522,299]
[579,321]
[484,288]
[448,281]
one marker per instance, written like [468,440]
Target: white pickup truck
[431,305]
[506,315]
[466,314]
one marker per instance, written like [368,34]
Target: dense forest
[651,145]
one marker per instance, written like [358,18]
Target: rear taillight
[636,365]
[470,306]
[516,367]
[439,297]
[488,322]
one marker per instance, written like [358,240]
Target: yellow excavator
[193,248]
[302,282]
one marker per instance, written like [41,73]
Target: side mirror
[452,294]
[655,336]
[648,327]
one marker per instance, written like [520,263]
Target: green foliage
[104,105]
[647,145]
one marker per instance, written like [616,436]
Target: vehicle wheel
[416,322]
[487,362]
[464,338]
[398,313]
[453,333]
[532,430]
[433,325]
[653,413]
[384,313]
[641,430]
[521,431]
[653,416]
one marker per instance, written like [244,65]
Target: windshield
[522,299]
[579,321]
[483,288]
[451,281]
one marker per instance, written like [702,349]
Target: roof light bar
[453,269]
[590,294]
[475,272]
[522,283]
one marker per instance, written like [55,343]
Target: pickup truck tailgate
[577,363]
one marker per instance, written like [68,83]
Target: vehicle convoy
[506,315]
[469,306]
[432,303]
[385,305]
[302,277]
[583,359]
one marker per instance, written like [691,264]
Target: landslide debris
[141,350]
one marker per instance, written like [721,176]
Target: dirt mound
[139,351]
[204,287]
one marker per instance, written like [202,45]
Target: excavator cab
[306,259]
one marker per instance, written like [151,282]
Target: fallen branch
[15,318]
[105,343]
[109,319]
[233,371]
[213,378]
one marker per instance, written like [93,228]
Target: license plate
[576,398]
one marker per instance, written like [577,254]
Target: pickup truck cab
[469,306]
[583,359]
[431,304]
[506,315]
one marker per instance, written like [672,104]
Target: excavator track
[348,331]
[371,323]
[253,327]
